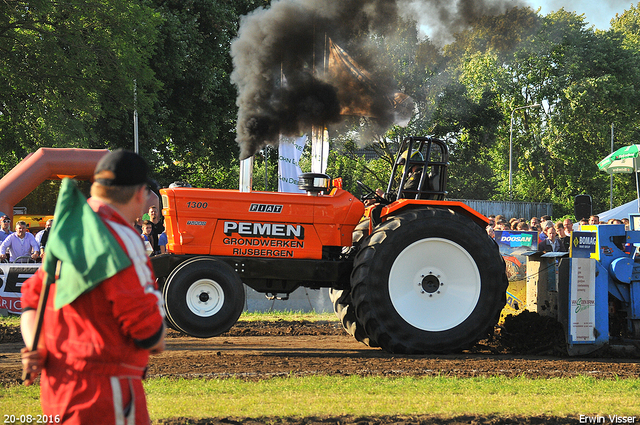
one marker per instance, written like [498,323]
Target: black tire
[428,281]
[360,232]
[344,310]
[203,297]
[341,298]
[161,282]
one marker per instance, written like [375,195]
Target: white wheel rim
[205,297]
[454,290]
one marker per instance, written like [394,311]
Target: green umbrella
[624,160]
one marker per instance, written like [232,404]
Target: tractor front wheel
[204,297]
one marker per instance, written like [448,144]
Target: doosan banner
[512,245]
[516,239]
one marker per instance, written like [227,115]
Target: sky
[597,12]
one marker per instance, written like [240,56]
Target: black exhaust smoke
[280,55]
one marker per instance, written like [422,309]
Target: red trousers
[88,398]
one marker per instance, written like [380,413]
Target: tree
[627,27]
[70,82]
[346,163]
[589,80]
[69,66]
[191,130]
[190,133]
[69,69]
[471,129]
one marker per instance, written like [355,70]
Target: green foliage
[587,78]
[471,129]
[68,70]
[351,167]
[69,66]
[193,130]
[266,159]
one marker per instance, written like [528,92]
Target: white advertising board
[582,300]
[11,278]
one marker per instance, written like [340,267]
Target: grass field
[13,320]
[369,396]
[372,396]
[287,315]
[319,396]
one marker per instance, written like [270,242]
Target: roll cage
[434,162]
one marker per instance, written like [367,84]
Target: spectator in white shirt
[20,244]
[5,230]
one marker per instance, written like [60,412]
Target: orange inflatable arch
[46,164]
[49,164]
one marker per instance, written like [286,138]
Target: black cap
[122,168]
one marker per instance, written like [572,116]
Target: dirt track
[263,350]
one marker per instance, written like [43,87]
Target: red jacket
[108,330]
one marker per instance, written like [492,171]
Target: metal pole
[637,190]
[535,105]
[510,154]
[266,161]
[611,176]
[246,174]
[135,116]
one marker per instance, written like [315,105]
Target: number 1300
[193,204]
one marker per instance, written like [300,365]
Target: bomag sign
[259,239]
[583,245]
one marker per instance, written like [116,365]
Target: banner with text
[290,151]
[513,244]
[12,275]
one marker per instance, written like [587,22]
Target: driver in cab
[411,183]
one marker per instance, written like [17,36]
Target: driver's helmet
[415,155]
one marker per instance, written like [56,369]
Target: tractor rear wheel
[341,298]
[360,232]
[428,281]
[344,310]
[204,297]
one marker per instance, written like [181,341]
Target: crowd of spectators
[152,231]
[552,236]
[22,245]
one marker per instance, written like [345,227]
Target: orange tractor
[411,273]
